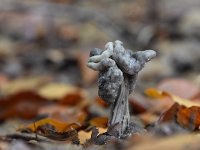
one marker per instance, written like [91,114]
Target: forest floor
[49,97]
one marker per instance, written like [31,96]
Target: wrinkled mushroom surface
[118,70]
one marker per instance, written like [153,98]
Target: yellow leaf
[102,130]
[151,92]
[154,93]
[31,83]
[83,135]
[58,90]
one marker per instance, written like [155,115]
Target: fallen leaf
[189,117]
[162,94]
[71,99]
[50,123]
[63,113]
[154,93]
[178,87]
[58,130]
[84,136]
[23,105]
[184,112]
[69,135]
[55,91]
[23,84]
[137,107]
[170,114]
[99,122]
[101,102]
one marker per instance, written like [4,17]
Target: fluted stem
[120,110]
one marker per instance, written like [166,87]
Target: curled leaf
[56,125]
[184,112]
[187,117]
[69,135]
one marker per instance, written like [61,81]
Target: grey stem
[120,110]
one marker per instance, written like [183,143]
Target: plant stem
[120,110]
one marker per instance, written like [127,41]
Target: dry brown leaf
[66,136]
[184,112]
[53,129]
[58,130]
[101,102]
[187,117]
[64,113]
[53,124]
[170,114]
[23,104]
[71,99]
[138,108]
[99,122]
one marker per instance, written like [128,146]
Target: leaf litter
[68,118]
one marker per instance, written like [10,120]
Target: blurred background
[53,37]
[45,45]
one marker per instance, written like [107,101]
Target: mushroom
[118,70]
